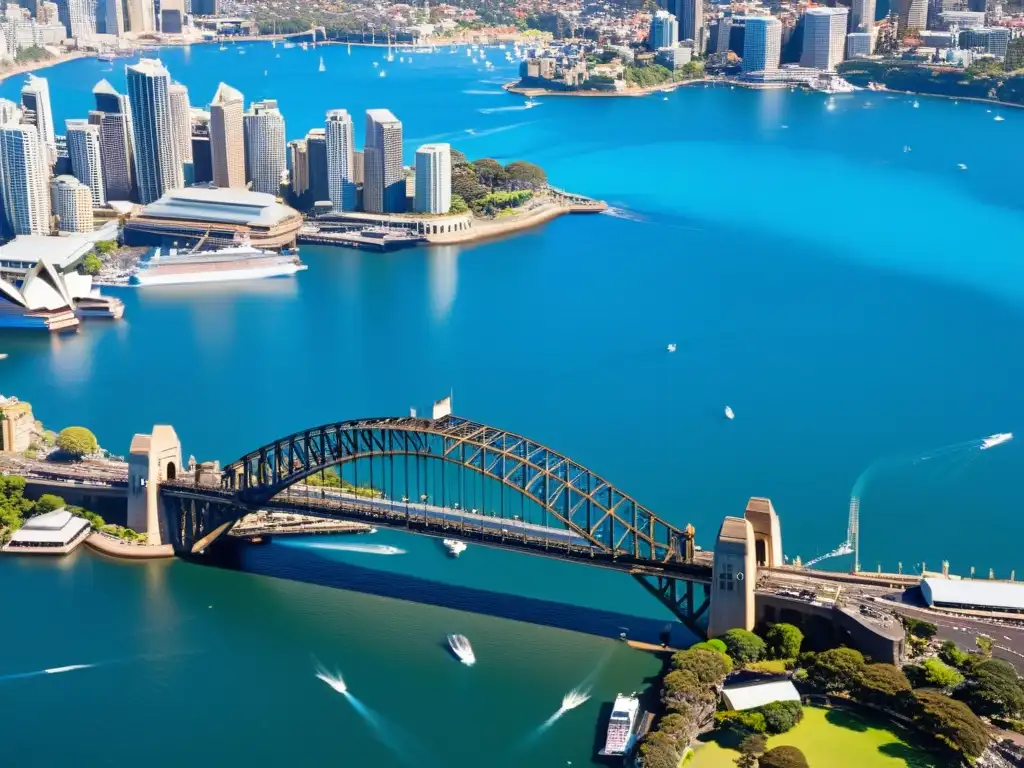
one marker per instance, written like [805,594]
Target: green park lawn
[832,739]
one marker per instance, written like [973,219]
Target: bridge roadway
[440,522]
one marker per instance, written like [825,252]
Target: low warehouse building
[757,694]
[54,533]
[218,217]
[974,594]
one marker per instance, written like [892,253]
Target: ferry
[460,647]
[621,735]
[997,439]
[454,547]
[238,262]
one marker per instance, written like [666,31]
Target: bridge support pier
[733,578]
[152,459]
[680,597]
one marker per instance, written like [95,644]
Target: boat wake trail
[366,549]
[472,92]
[948,459]
[388,733]
[491,131]
[622,213]
[495,110]
[50,671]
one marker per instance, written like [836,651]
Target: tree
[783,757]
[751,748]
[77,441]
[92,265]
[710,645]
[984,644]
[490,172]
[458,205]
[466,185]
[47,503]
[524,175]
[919,628]
[783,641]
[952,655]
[882,684]
[994,690]
[709,667]
[458,158]
[743,646]
[679,727]
[953,722]
[104,247]
[938,675]
[837,669]
[658,750]
[781,716]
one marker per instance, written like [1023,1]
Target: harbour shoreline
[33,66]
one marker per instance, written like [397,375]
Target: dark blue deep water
[850,300]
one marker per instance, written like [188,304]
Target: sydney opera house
[49,300]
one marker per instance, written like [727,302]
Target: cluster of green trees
[754,753]
[330,478]
[921,695]
[774,718]
[32,53]
[77,442]
[486,186]
[645,77]
[690,695]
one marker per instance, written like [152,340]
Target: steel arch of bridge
[581,501]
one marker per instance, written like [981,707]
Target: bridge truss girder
[680,597]
[568,493]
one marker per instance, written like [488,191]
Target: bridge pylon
[152,460]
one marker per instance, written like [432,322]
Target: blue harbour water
[850,300]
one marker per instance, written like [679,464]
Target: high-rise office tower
[762,44]
[690,14]
[25,165]
[319,174]
[156,156]
[84,149]
[341,182]
[140,16]
[298,162]
[115,17]
[202,155]
[913,14]
[384,188]
[264,146]
[664,30]
[433,178]
[181,118]
[9,111]
[862,16]
[227,137]
[358,167]
[172,16]
[116,141]
[35,100]
[824,37]
[205,7]
[72,204]
[78,18]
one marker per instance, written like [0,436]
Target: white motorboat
[322,67]
[460,647]
[454,546]
[671,347]
[916,105]
[729,414]
[997,439]
[621,734]
[999,118]
[962,166]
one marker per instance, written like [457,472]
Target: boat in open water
[460,647]
[454,546]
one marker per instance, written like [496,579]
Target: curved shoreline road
[449,514]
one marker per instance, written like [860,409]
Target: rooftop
[751,695]
[222,206]
[60,251]
[57,527]
[981,593]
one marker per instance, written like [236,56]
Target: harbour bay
[848,299]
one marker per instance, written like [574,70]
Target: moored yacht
[621,734]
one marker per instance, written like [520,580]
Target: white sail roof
[44,288]
[11,294]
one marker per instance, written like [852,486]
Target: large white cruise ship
[238,262]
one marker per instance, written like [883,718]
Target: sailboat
[322,67]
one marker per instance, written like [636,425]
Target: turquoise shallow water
[849,300]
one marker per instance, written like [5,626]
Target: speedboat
[916,105]
[997,439]
[460,647]
[621,734]
[999,118]
[962,166]
[671,347]
[729,414]
[454,546]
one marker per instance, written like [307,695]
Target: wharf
[650,647]
[273,524]
[390,242]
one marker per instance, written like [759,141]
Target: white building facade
[156,155]
[384,185]
[341,183]
[181,117]
[433,179]
[86,158]
[265,148]
[26,176]
[72,204]
[824,37]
